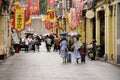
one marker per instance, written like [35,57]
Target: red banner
[51,2]
[73,19]
[47,24]
[0,2]
[78,4]
[33,6]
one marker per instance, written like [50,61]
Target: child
[82,52]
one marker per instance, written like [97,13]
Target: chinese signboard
[33,6]
[19,19]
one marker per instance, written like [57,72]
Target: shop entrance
[102,33]
[118,33]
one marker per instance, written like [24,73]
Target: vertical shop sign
[73,19]
[78,4]
[48,24]
[19,20]
[33,6]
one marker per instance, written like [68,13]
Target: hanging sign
[73,19]
[19,20]
[47,24]
[90,14]
[51,15]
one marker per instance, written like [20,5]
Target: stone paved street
[49,66]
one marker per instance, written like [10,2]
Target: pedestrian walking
[38,43]
[26,44]
[48,43]
[56,44]
[33,44]
[77,46]
[63,49]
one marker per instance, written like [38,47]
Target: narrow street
[48,66]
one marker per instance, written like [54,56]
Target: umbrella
[64,34]
[73,34]
[45,34]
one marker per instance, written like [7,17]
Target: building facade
[103,27]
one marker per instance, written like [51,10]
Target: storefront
[4,31]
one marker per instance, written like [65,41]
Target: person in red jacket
[83,52]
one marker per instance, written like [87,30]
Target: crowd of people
[63,46]
[31,43]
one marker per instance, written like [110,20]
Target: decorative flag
[51,15]
[0,2]
[33,6]
[47,24]
[19,20]
[73,19]
[78,4]
[51,2]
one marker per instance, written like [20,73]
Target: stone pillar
[2,30]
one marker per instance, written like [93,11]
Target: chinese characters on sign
[19,20]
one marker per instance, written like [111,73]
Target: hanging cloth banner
[51,15]
[73,19]
[19,20]
[78,4]
[33,6]
[47,24]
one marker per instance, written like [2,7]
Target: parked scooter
[91,52]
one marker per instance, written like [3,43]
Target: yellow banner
[19,20]
[51,15]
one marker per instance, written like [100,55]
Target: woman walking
[77,46]
[63,49]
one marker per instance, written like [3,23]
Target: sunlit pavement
[48,66]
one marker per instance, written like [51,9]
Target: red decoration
[33,6]
[51,2]
[0,2]
[47,24]
[51,15]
